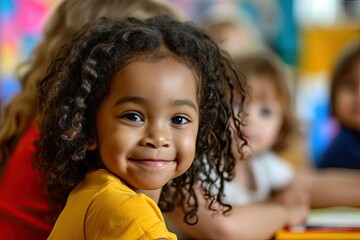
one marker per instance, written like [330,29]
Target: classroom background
[306,34]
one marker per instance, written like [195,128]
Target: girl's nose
[156,137]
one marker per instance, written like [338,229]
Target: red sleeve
[24,204]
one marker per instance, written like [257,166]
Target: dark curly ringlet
[80,77]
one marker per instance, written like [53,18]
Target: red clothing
[24,205]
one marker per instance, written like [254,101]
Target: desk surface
[336,223]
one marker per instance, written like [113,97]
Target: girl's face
[265,116]
[347,103]
[148,123]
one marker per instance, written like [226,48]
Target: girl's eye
[179,120]
[133,117]
[265,112]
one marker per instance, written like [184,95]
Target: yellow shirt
[102,207]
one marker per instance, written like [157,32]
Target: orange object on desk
[284,234]
[334,223]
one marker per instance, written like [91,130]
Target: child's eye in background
[180,120]
[266,112]
[133,117]
[351,85]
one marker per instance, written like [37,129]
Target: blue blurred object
[8,88]
[6,9]
[285,42]
[28,42]
[344,151]
[322,131]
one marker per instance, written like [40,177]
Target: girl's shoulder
[119,211]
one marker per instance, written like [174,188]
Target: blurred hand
[297,214]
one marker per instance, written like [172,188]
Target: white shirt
[270,173]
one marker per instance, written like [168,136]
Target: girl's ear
[92,145]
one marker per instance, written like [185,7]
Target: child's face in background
[148,123]
[347,103]
[234,38]
[265,116]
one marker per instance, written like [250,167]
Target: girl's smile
[153,163]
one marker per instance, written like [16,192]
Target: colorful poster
[21,23]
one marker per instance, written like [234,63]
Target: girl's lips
[152,162]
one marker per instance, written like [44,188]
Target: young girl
[25,212]
[344,151]
[138,103]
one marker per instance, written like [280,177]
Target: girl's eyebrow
[130,99]
[140,100]
[184,102]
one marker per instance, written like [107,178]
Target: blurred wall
[21,23]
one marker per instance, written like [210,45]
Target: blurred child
[138,103]
[25,212]
[344,151]
[266,193]
[232,29]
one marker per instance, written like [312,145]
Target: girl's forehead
[262,87]
[164,54]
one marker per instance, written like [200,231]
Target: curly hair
[79,78]
[67,18]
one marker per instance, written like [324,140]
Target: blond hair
[268,63]
[67,17]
